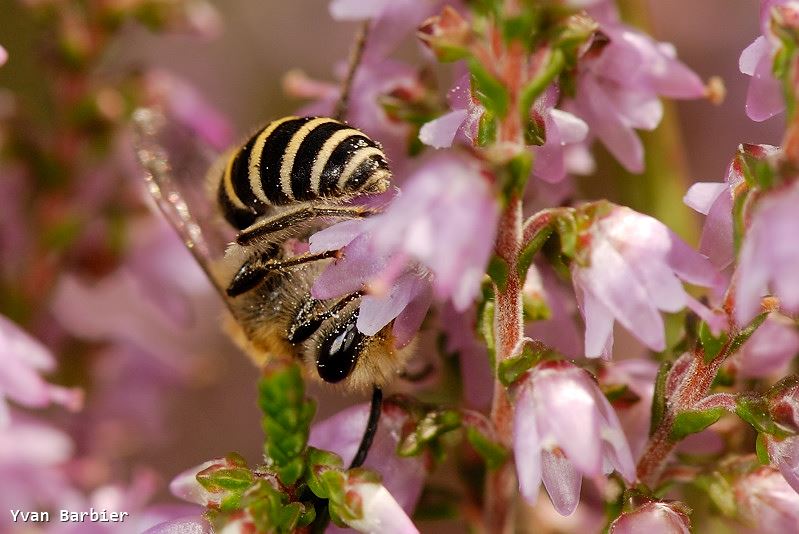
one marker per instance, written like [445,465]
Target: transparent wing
[176,162]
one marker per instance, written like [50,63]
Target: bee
[285,182]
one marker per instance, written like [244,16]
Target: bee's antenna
[371,428]
[356,55]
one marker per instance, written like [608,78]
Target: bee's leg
[263,228]
[312,314]
[371,428]
[258,266]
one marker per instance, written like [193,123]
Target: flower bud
[660,517]
[448,35]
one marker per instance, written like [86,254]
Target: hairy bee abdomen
[298,159]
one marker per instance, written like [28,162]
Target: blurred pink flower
[562,129]
[185,104]
[392,20]
[185,525]
[619,84]
[766,502]
[3,56]
[564,428]
[32,456]
[714,200]
[654,517]
[764,98]
[633,270]
[769,257]
[445,219]
[639,376]
[770,349]
[22,359]
[476,375]
[373,80]
[342,433]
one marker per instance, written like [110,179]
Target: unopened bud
[448,35]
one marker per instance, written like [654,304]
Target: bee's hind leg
[259,266]
[263,228]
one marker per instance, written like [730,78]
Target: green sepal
[746,332]
[761,450]
[498,271]
[487,129]
[490,91]
[271,510]
[720,492]
[492,453]
[620,394]
[566,225]
[534,133]
[712,345]
[693,421]
[754,410]
[531,249]
[320,461]
[430,427]
[510,369]
[659,396]
[485,326]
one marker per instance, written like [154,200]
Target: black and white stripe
[298,159]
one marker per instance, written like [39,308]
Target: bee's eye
[339,351]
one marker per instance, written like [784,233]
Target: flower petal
[562,482]
[440,132]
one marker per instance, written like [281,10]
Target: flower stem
[508,332]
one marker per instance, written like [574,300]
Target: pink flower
[618,88]
[3,56]
[714,200]
[376,509]
[770,349]
[342,433]
[186,525]
[764,98]
[633,270]
[766,502]
[638,376]
[392,20]
[564,428]
[22,359]
[444,220]
[654,517]
[769,257]
[560,330]
[563,130]
[186,105]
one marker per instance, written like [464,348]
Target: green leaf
[489,90]
[486,329]
[487,129]
[711,344]
[744,335]
[531,249]
[693,421]
[494,454]
[659,397]
[429,429]
[536,87]
[498,271]
[225,479]
[566,226]
[754,410]
[761,449]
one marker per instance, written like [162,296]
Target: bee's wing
[176,162]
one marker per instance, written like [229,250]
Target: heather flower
[186,105]
[764,97]
[32,456]
[632,271]
[618,85]
[369,507]
[635,407]
[659,517]
[564,429]
[770,349]
[558,329]
[769,257]
[766,502]
[342,433]
[373,80]
[714,200]
[23,359]
[444,220]
[562,130]
[392,20]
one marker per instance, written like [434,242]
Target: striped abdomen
[297,159]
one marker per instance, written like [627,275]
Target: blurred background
[82,256]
